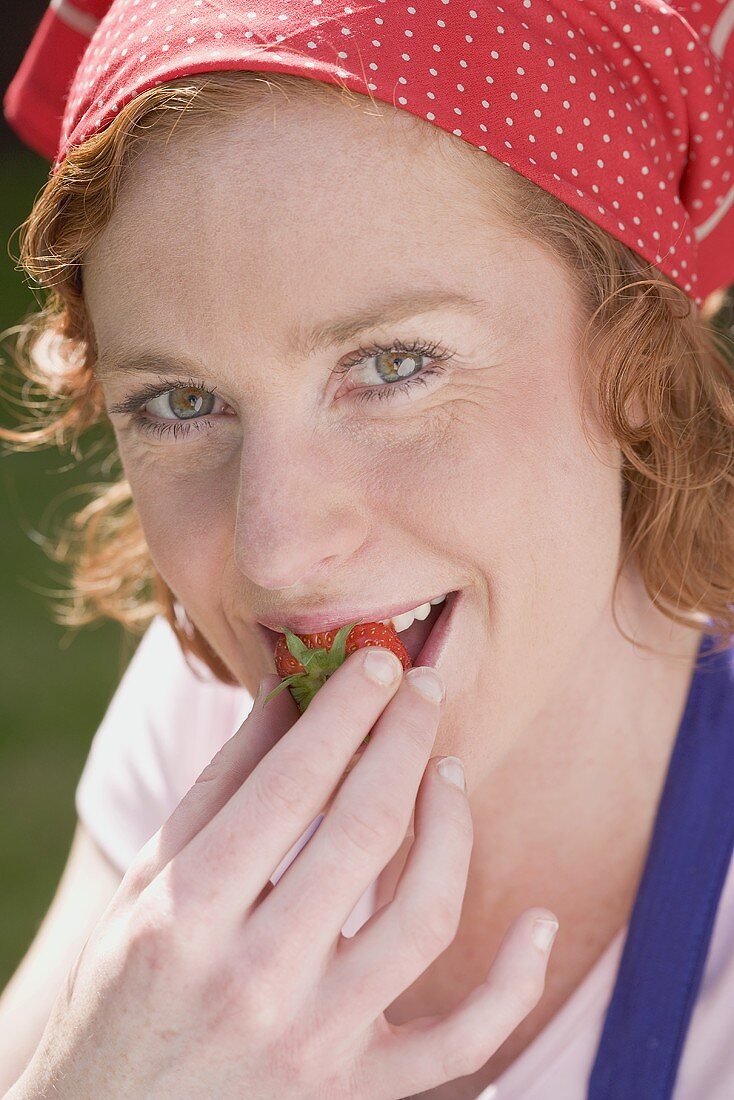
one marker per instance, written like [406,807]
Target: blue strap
[673,916]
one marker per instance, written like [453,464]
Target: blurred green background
[54,683]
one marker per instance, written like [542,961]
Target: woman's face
[294,489]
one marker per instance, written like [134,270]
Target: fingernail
[427,683]
[381,666]
[544,932]
[452,771]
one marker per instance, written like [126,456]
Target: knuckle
[226,1001]
[142,871]
[302,1070]
[212,773]
[341,707]
[136,878]
[213,768]
[369,828]
[526,990]
[307,1054]
[431,928]
[459,1059]
[416,732]
[150,936]
[456,821]
[261,1013]
[255,990]
[283,789]
[458,817]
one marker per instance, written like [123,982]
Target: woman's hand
[203,979]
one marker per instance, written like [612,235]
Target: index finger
[233,857]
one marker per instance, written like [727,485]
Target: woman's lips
[416,636]
[268,636]
[439,636]
[418,639]
[430,653]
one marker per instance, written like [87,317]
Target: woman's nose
[297,518]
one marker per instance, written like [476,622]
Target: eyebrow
[386,311]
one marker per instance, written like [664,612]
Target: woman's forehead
[299,302]
[303,174]
[295,218]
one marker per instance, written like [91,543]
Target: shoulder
[178,685]
[169,714]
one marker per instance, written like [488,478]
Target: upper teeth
[402,622]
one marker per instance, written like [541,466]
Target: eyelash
[181,428]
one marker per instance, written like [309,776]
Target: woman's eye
[376,372]
[389,371]
[173,406]
[183,402]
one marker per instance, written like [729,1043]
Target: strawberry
[308,660]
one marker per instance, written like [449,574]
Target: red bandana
[623,110]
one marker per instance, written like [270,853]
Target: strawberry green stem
[319,665]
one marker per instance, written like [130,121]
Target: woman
[356,362]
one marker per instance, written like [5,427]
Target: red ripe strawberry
[308,660]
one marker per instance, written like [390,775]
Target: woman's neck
[590,769]
[565,820]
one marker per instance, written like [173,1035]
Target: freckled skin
[482,481]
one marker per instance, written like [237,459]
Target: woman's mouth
[415,636]
[419,637]
[424,640]
[426,645]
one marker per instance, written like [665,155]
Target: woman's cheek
[185,515]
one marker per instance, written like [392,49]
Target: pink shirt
[162,728]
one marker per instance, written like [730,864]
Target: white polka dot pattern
[622,109]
